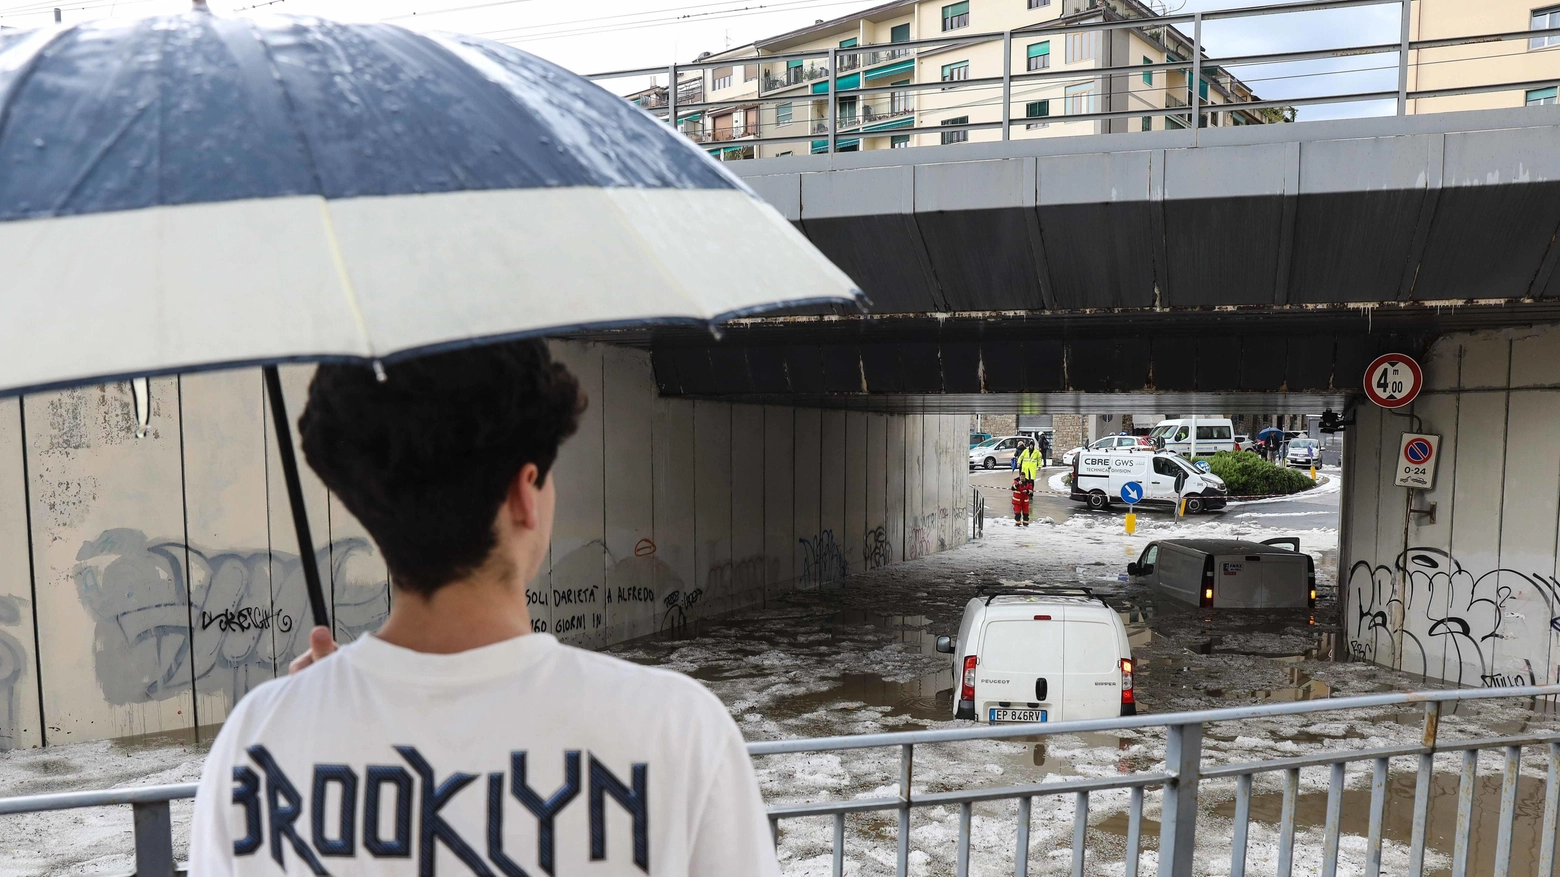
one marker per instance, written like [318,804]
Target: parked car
[1040,654]
[978,437]
[995,452]
[1303,452]
[1165,478]
[1122,442]
[1213,434]
[1242,442]
[1229,573]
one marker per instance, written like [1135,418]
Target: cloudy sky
[597,35]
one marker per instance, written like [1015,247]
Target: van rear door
[1021,667]
[1261,581]
[1093,665]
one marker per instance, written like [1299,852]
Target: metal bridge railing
[1179,782]
[1000,100]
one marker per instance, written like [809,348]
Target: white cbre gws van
[1040,654]
[1162,478]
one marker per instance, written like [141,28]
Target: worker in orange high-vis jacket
[1023,496]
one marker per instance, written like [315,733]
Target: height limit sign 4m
[1416,460]
[1393,380]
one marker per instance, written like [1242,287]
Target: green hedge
[1246,474]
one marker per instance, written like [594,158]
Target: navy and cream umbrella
[193,192]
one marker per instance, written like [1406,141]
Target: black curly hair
[424,457]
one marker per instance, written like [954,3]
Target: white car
[1112,443]
[996,452]
[1303,452]
[1040,654]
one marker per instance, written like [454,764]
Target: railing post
[1403,43]
[1007,83]
[906,765]
[1195,99]
[1178,822]
[834,110]
[153,840]
[1416,849]
[671,95]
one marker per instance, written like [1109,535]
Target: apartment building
[1535,61]
[788,97]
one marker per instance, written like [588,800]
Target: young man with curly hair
[454,740]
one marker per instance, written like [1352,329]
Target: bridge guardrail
[1178,104]
[1179,781]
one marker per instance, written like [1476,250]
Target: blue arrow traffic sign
[1131,493]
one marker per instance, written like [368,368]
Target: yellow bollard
[1180,511]
[1313,471]
[1131,523]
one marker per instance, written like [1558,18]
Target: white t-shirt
[522,757]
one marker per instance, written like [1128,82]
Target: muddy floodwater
[861,659]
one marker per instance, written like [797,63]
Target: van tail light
[1310,580]
[1127,697]
[967,684]
[1206,601]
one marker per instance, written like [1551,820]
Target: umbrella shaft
[300,514]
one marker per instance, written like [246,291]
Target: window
[847,111]
[956,16]
[1081,99]
[749,72]
[1151,553]
[956,136]
[1040,55]
[1213,433]
[848,44]
[899,34]
[783,113]
[900,102]
[1148,123]
[1036,4]
[1543,19]
[1163,466]
[1038,109]
[1148,75]
[1539,96]
[955,72]
[1083,46]
[899,141]
[1181,434]
[722,77]
[778,154]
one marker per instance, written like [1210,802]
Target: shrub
[1246,474]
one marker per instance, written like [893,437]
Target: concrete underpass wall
[1472,598]
[147,583]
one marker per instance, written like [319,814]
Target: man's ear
[521,500]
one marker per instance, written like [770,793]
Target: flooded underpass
[860,658]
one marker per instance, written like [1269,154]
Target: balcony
[794,76]
[690,93]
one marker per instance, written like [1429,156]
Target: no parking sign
[1416,460]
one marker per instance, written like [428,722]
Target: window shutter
[900,34]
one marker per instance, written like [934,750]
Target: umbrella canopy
[197,191]
[1268,433]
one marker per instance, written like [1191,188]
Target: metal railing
[1179,781]
[998,95]
[977,514]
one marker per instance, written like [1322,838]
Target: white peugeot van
[1040,654]
[1214,434]
[1162,478]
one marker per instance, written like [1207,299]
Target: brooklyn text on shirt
[273,812]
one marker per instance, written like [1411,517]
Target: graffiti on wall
[1444,604]
[876,550]
[144,600]
[823,561]
[13,666]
